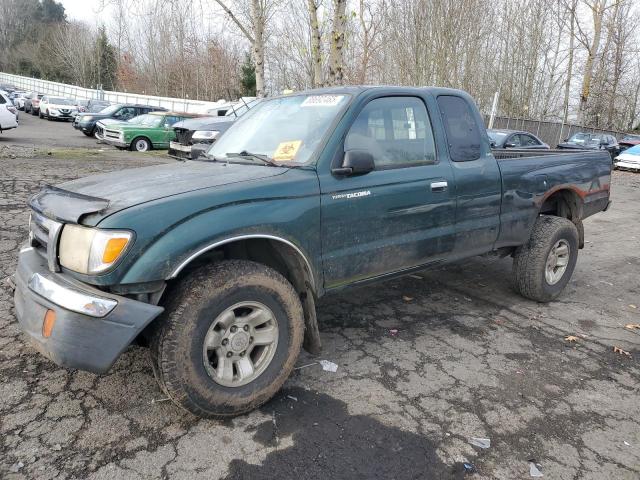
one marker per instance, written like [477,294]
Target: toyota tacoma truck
[216,265]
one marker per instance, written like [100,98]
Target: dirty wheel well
[566,204]
[279,256]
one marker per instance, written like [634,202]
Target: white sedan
[629,159]
[8,113]
[57,108]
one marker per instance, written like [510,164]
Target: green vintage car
[152,130]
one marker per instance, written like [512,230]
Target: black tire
[135,144]
[530,260]
[88,134]
[178,338]
[34,112]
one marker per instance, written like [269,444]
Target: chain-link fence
[549,132]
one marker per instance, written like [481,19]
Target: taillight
[12,109]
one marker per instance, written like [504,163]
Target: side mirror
[355,162]
[509,145]
[566,140]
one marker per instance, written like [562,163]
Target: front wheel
[544,265]
[141,144]
[229,338]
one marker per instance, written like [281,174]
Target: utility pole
[494,108]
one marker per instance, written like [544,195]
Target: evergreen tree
[106,61]
[248,77]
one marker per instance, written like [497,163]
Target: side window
[2,100]
[514,140]
[396,131]
[170,120]
[126,113]
[463,134]
[527,140]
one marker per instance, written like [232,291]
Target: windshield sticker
[322,101]
[287,151]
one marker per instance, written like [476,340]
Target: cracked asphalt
[424,363]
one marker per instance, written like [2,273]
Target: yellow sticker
[287,151]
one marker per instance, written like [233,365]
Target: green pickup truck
[216,265]
[148,131]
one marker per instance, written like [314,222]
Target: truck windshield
[284,129]
[585,138]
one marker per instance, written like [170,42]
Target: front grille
[43,237]
[112,134]
[183,136]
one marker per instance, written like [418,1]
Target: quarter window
[461,127]
[396,131]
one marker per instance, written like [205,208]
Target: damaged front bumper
[91,329]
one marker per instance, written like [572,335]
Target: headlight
[91,250]
[205,134]
[53,110]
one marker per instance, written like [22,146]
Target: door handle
[439,186]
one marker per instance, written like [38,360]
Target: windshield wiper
[258,156]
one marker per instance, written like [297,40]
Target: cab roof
[358,89]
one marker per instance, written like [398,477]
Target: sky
[88,11]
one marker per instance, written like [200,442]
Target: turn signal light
[113,249]
[49,322]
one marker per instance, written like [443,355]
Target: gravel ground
[424,363]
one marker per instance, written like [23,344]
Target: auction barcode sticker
[322,101]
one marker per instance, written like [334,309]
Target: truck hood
[206,123]
[104,194]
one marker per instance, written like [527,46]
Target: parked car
[32,103]
[101,125]
[154,130]
[18,99]
[86,122]
[217,264]
[628,159]
[592,141]
[7,87]
[195,136]
[501,138]
[57,108]
[8,113]
[629,141]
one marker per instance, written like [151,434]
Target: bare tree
[255,34]
[335,74]
[316,51]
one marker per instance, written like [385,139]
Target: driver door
[401,214]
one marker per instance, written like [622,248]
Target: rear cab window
[461,128]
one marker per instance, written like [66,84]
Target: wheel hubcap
[557,262]
[240,344]
[141,146]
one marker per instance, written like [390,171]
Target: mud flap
[311,342]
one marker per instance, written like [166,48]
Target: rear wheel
[544,265]
[229,338]
[141,144]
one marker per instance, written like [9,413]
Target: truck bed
[584,176]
